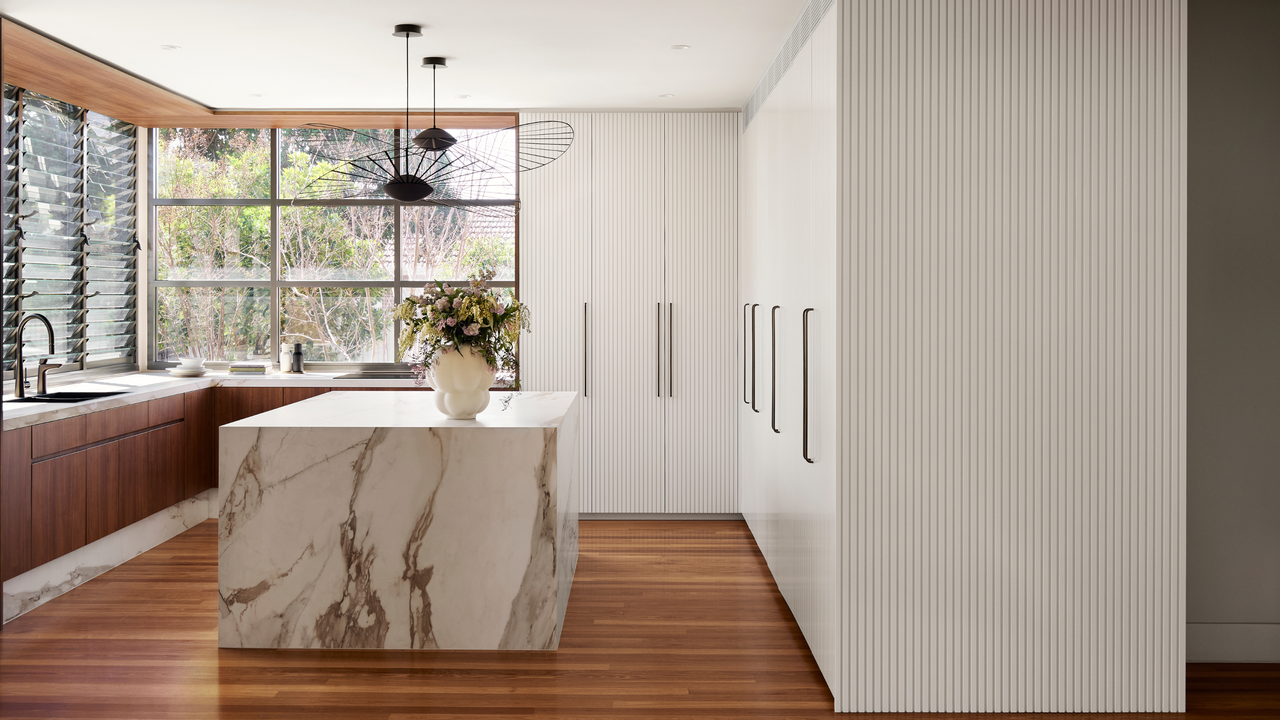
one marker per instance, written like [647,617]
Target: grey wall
[1233,378]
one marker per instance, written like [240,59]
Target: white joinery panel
[789,210]
[1012,318]
[555,273]
[701,384]
[627,332]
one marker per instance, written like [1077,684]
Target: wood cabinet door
[15,503]
[201,472]
[166,479]
[57,507]
[296,394]
[134,478]
[102,491]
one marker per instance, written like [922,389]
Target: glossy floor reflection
[667,619]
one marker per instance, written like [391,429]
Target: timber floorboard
[667,619]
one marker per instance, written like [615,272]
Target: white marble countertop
[413,410]
[149,385]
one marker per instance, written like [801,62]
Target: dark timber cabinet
[67,483]
[70,482]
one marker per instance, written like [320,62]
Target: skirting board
[660,516]
[1233,642]
[39,585]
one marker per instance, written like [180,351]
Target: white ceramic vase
[461,379]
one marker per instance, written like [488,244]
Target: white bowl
[191,363]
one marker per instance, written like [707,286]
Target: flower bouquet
[472,320]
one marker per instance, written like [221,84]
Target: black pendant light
[474,174]
[407,187]
[434,139]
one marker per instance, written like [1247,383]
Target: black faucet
[19,379]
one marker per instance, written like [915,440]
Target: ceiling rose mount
[434,139]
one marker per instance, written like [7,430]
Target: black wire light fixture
[474,173]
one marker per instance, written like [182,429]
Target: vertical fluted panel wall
[555,274]
[701,279]
[628,350]
[1012,331]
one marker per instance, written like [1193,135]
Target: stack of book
[247,368]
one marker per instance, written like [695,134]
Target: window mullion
[276,309]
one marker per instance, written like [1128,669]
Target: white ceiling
[509,54]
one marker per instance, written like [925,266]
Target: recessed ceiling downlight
[170,47]
[679,47]
[463,97]
[667,95]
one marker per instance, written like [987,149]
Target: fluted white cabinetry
[555,273]
[700,254]
[639,227]
[628,346]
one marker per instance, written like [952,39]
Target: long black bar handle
[744,353]
[671,365]
[753,356]
[773,371]
[658,364]
[805,450]
[584,350]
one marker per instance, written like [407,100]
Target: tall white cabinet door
[627,330]
[555,274]
[702,326]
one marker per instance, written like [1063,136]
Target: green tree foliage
[320,244]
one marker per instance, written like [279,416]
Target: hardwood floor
[666,619]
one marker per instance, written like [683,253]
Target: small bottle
[297,358]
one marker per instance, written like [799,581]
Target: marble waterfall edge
[42,584]
[427,534]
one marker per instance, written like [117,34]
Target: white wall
[1012,326]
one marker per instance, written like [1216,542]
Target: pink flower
[441,326]
[451,322]
[472,329]
[442,303]
[499,309]
[457,303]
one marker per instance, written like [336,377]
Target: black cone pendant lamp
[405,186]
[434,139]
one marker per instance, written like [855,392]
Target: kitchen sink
[67,396]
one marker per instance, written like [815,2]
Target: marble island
[371,520]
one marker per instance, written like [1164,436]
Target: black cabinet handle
[805,450]
[753,356]
[773,371]
[744,353]
[658,364]
[584,350]
[671,366]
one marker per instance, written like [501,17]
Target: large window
[70,240]
[243,264]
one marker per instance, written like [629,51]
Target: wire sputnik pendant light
[475,173]
[405,186]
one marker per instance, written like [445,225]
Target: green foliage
[316,243]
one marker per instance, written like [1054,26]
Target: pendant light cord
[406,103]
[433,95]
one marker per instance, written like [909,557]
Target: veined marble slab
[370,520]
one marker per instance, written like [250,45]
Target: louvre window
[70,232]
